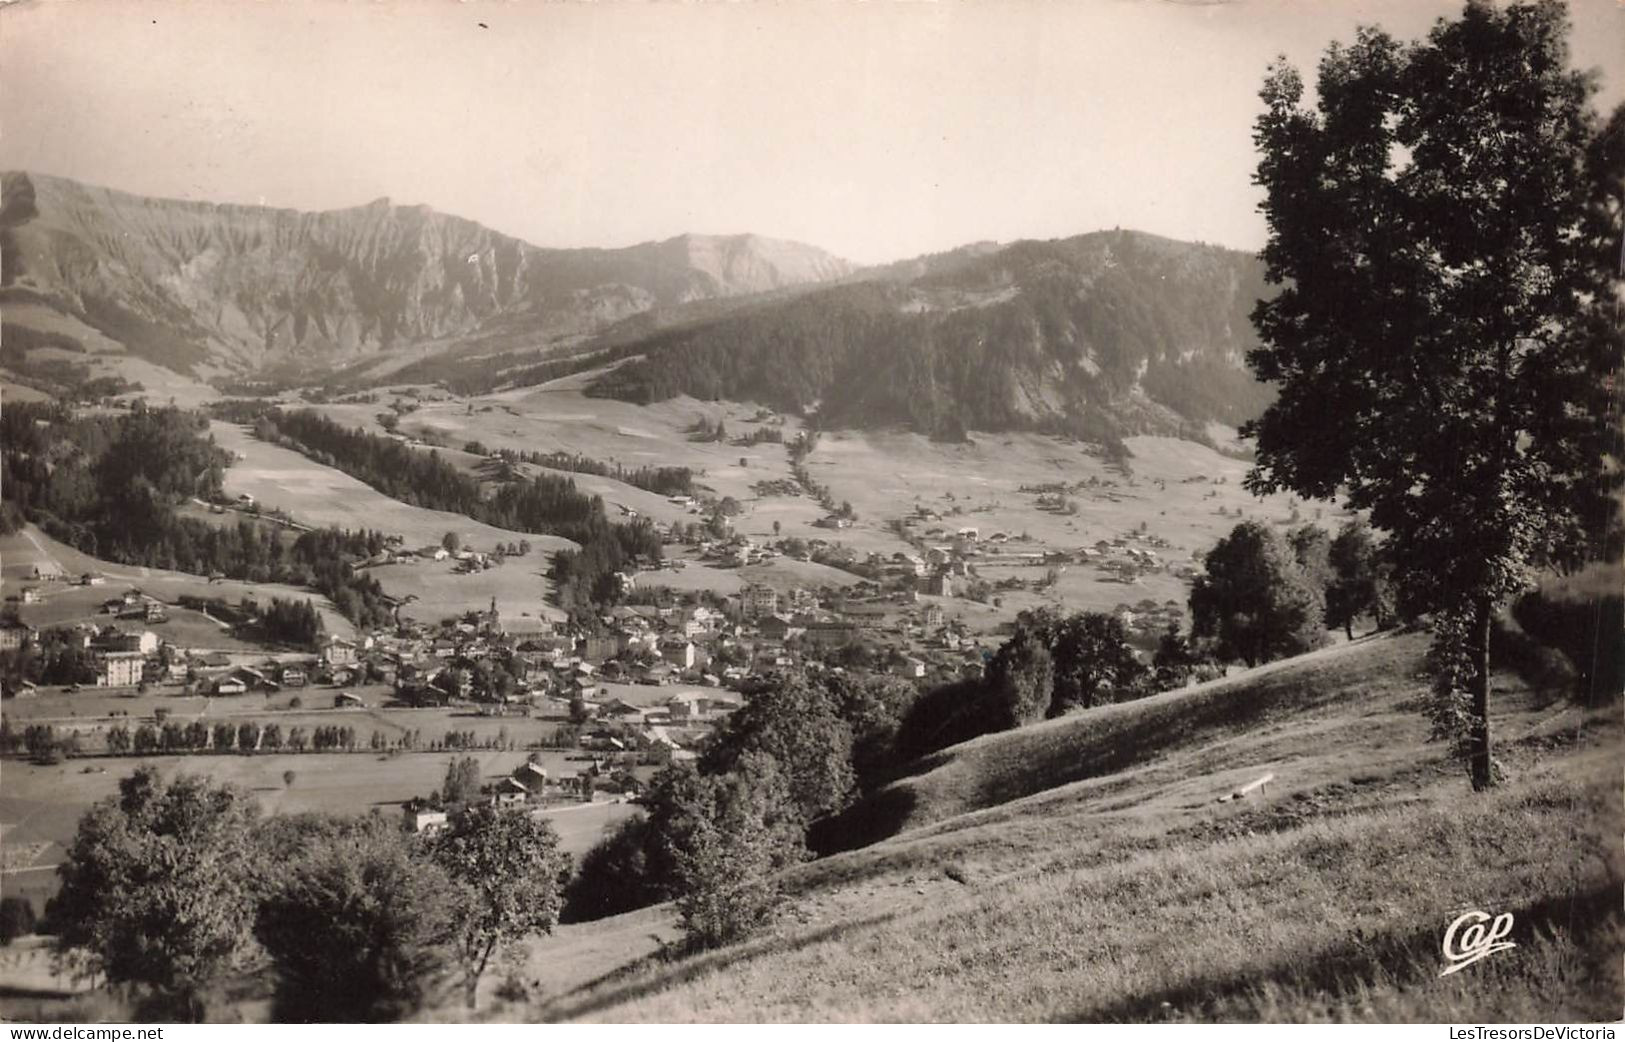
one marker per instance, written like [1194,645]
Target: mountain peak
[240,288]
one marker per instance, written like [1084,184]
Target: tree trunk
[1479,767]
[1348,627]
[471,986]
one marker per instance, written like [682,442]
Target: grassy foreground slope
[1083,869]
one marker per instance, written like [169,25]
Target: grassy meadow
[1085,869]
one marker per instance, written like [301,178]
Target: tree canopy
[156,885]
[1441,225]
[1254,599]
[513,876]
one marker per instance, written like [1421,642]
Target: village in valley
[642,689]
[743,526]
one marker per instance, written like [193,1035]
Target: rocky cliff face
[239,288]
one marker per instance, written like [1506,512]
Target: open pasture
[434,590]
[41,805]
[322,496]
[22,552]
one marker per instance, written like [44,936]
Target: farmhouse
[680,653]
[347,700]
[910,667]
[532,777]
[422,819]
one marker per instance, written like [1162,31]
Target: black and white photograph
[1099,512]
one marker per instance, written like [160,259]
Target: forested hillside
[1104,334]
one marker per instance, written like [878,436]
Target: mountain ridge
[1098,335]
[238,288]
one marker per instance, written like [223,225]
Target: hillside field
[41,805]
[62,602]
[1084,869]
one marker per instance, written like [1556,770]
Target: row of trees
[246,737]
[360,921]
[664,481]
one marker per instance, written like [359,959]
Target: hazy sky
[876,130]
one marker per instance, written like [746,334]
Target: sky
[875,130]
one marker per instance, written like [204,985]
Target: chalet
[48,570]
[293,676]
[934,617]
[532,776]
[661,673]
[144,642]
[831,634]
[339,651]
[230,686]
[252,678]
[92,579]
[680,653]
[778,627]
[509,793]
[423,819]
[15,635]
[865,616]
[30,595]
[909,563]
[340,676]
[757,600]
[348,700]
[120,668]
[940,584]
[908,666]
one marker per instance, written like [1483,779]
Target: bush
[17,919]
[356,927]
[1589,631]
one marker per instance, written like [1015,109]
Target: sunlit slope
[1086,869]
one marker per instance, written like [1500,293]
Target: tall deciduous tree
[1021,679]
[1254,599]
[157,886]
[1359,585]
[1094,663]
[355,923]
[798,725]
[1439,224]
[462,784]
[512,874]
[728,835]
